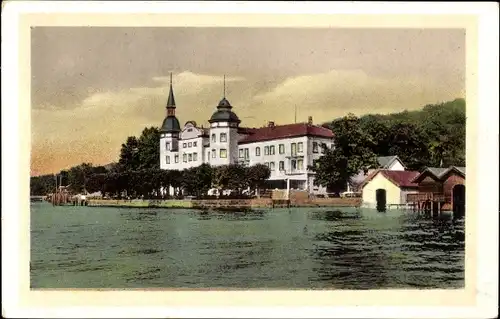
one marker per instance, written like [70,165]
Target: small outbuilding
[384,188]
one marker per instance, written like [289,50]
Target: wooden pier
[431,203]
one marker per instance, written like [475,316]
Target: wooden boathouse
[439,190]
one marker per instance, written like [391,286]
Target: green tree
[78,176]
[353,153]
[409,143]
[149,148]
[197,180]
[129,155]
[257,176]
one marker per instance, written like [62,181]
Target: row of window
[268,150]
[295,149]
[294,165]
[192,157]
[222,138]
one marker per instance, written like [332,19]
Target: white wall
[173,143]
[396,166]
[393,192]
[307,155]
[230,145]
[190,142]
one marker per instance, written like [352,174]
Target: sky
[91,87]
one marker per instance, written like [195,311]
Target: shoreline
[226,203]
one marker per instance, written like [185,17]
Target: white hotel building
[286,149]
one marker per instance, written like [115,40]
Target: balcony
[294,171]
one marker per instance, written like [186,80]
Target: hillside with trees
[431,137]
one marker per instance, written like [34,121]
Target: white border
[487,139]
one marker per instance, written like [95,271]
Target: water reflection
[334,215]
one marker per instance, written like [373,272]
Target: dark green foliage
[433,136]
[353,153]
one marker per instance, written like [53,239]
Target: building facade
[288,150]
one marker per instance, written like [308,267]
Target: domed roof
[224,103]
[224,113]
[224,116]
[170,125]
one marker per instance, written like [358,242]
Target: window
[257,151]
[176,158]
[300,164]
[282,148]
[247,153]
[213,138]
[195,157]
[194,144]
[167,146]
[241,153]
[213,153]
[190,157]
[293,164]
[282,166]
[271,167]
[184,158]
[294,149]
[271,150]
[223,137]
[315,147]
[167,159]
[266,150]
[189,129]
[323,148]
[184,145]
[223,153]
[300,147]
[190,144]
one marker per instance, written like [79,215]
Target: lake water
[344,248]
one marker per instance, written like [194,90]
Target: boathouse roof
[439,172]
[403,179]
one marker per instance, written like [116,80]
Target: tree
[129,155]
[78,176]
[409,143]
[197,180]
[353,153]
[149,148]
[257,176]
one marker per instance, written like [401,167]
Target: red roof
[284,131]
[401,178]
[398,178]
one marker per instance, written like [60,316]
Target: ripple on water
[297,248]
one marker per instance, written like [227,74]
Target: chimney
[270,124]
[310,120]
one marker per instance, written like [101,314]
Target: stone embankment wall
[229,203]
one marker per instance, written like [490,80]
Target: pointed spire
[171,100]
